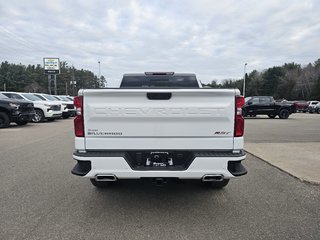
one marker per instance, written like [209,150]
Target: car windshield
[2,96]
[49,97]
[247,99]
[39,96]
[65,98]
[31,97]
[57,98]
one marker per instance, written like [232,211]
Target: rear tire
[284,114]
[4,120]
[100,184]
[38,116]
[218,184]
[272,115]
[51,119]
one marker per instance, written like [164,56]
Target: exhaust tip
[212,178]
[106,178]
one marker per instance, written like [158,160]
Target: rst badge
[222,133]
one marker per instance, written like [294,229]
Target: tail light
[239,120]
[78,120]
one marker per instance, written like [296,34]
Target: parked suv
[15,110]
[68,109]
[312,106]
[50,99]
[43,110]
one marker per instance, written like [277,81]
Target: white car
[51,98]
[68,106]
[312,106]
[317,108]
[43,110]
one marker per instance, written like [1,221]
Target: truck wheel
[100,184]
[20,123]
[4,120]
[66,116]
[38,116]
[284,114]
[271,115]
[218,184]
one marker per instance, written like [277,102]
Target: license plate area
[159,160]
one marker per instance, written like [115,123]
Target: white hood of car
[64,102]
[43,103]
[53,102]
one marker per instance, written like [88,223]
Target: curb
[282,170]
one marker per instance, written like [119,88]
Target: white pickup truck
[159,126]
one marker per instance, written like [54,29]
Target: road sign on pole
[52,69]
[51,66]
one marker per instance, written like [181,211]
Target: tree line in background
[290,81]
[31,78]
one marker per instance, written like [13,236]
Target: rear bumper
[99,163]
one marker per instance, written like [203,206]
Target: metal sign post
[73,84]
[52,69]
[55,84]
[49,84]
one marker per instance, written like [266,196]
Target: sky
[211,38]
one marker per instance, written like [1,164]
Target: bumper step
[81,168]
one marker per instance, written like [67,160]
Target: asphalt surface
[299,127]
[292,144]
[40,199]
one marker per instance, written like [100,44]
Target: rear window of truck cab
[159,81]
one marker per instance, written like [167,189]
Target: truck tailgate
[138,119]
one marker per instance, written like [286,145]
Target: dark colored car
[301,105]
[265,105]
[12,110]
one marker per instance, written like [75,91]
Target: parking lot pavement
[292,145]
[40,199]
